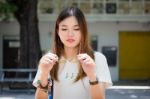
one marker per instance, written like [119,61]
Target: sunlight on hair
[71,12]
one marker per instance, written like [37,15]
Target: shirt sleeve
[102,70]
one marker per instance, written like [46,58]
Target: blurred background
[120,29]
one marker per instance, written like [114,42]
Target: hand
[88,64]
[47,61]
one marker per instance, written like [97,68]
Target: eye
[77,29]
[63,29]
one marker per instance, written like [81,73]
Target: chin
[71,45]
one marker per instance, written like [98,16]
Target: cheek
[79,37]
[61,36]
[61,33]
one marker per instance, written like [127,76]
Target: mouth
[70,40]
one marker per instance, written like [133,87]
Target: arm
[88,65]
[97,90]
[40,93]
[45,65]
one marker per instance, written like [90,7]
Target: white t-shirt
[66,88]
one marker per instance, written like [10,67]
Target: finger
[44,62]
[86,60]
[51,54]
[82,56]
[87,63]
[52,57]
[50,61]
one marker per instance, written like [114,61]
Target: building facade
[120,29]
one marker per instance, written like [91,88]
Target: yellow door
[134,55]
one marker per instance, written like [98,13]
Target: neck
[70,53]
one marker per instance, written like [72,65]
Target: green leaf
[6,10]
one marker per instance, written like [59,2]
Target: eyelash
[77,29]
[74,29]
[64,29]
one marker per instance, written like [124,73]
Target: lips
[70,40]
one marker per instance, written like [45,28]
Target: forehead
[70,21]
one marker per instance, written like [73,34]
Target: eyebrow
[66,25]
[63,25]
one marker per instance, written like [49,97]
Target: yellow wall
[134,55]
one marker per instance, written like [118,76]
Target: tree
[26,15]
[6,10]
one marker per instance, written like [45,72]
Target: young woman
[76,70]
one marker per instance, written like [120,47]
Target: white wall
[46,30]
[9,28]
[107,33]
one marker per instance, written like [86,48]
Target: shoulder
[99,56]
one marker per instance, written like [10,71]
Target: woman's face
[69,32]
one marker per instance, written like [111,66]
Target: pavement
[110,94]
[120,90]
[133,82]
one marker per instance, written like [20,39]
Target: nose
[70,33]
